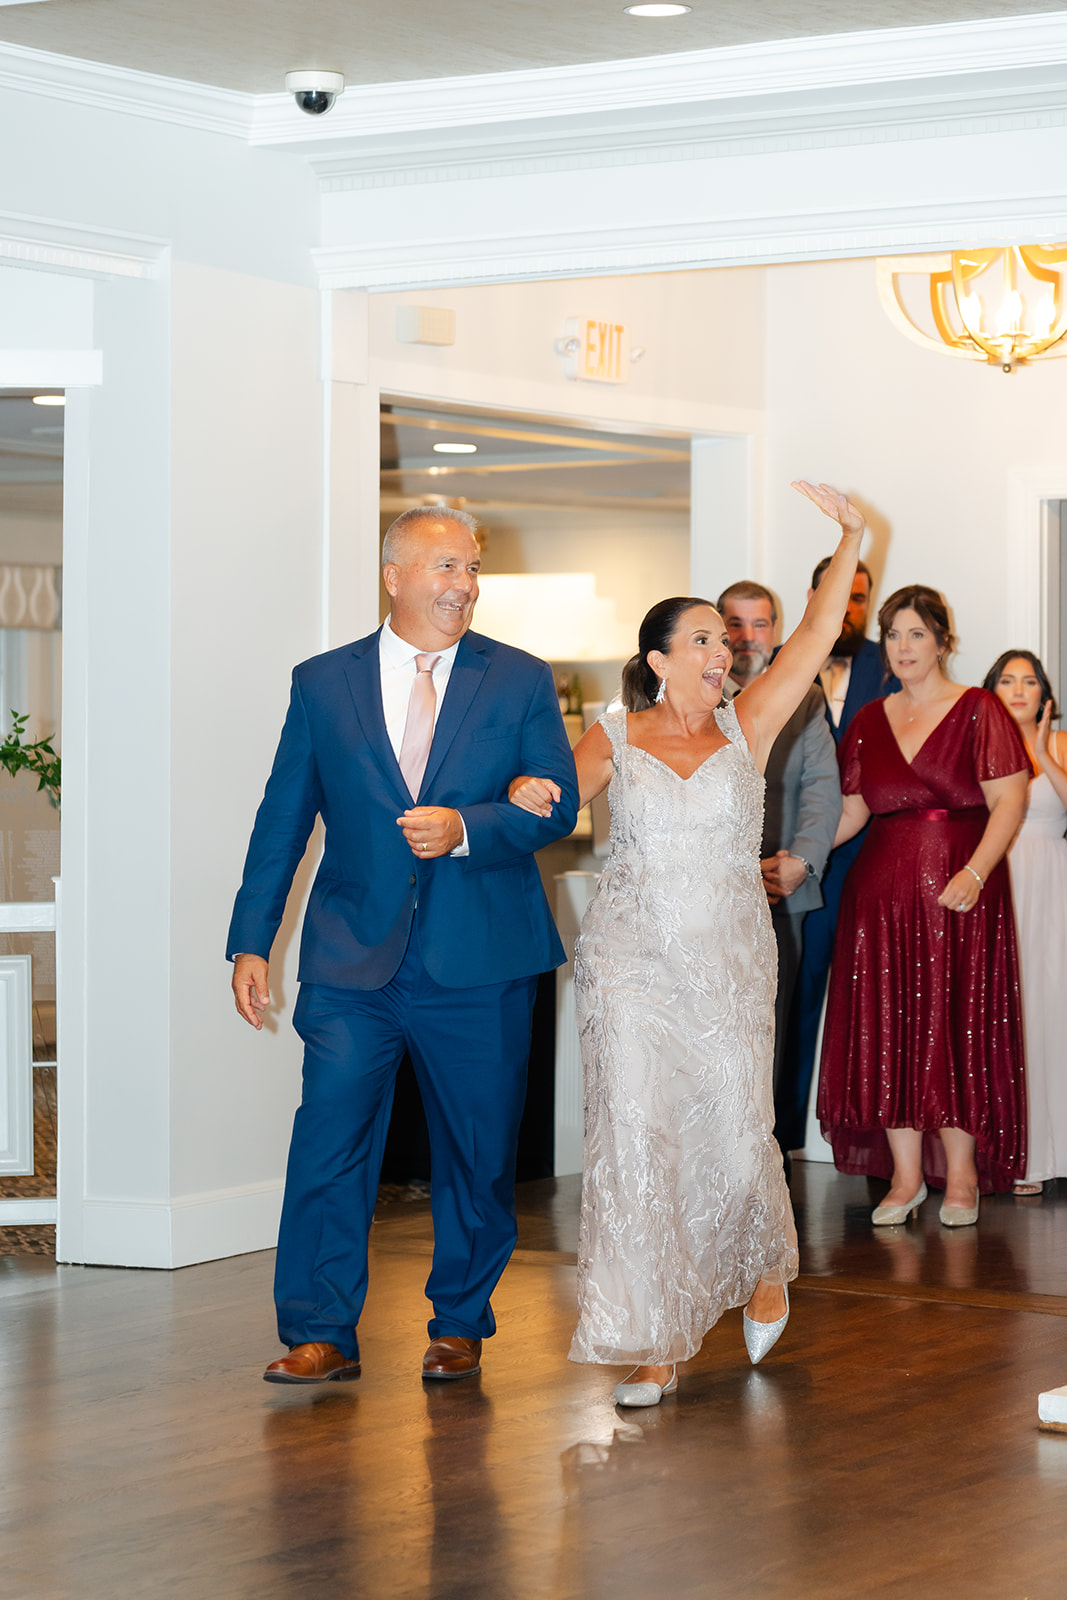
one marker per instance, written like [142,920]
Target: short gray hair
[395,534]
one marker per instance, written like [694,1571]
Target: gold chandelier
[1002,306]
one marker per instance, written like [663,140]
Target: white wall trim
[42,73]
[28,916]
[692,245]
[51,369]
[774,67]
[943,111]
[884,55]
[27,1213]
[70,248]
[1027,599]
[186,1229]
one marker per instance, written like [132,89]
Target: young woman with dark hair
[1039,885]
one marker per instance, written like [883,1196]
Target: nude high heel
[888,1216]
[960,1216]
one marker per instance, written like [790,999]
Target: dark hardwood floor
[888,1447]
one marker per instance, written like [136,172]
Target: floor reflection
[1018,1245]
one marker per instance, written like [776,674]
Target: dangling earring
[661,692]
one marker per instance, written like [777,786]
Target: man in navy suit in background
[852,676]
[425,931]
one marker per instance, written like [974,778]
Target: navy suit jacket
[481,918]
[867,681]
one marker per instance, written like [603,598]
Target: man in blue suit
[852,676]
[425,931]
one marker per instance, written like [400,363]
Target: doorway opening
[582,526]
[31,603]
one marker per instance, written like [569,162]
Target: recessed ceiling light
[657,11]
[445,448]
[49,399]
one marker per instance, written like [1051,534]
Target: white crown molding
[367,111]
[51,369]
[68,247]
[140,94]
[791,65]
[729,241]
[812,123]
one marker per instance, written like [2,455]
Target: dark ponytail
[640,685]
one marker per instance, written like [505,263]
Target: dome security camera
[315,92]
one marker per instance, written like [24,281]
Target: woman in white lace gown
[685,1211]
[1038,862]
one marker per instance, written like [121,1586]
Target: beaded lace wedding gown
[684,1202]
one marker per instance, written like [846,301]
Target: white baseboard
[182,1231]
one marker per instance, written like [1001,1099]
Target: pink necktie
[418,729]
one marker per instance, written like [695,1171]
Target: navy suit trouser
[469,1048]
[793,1088]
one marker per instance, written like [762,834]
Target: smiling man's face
[434,584]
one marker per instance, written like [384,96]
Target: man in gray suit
[803,801]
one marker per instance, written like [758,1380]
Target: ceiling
[249,45]
[520,462]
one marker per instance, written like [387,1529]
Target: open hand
[833,505]
[251,990]
[536,795]
[431,831]
[1044,728]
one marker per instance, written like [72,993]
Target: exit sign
[602,351]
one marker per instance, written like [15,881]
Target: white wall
[245,607]
[193,576]
[702,334]
[934,448]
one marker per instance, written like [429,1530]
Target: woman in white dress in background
[1038,860]
[685,1210]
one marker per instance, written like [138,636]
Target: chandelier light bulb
[971,312]
[1044,316]
[1010,313]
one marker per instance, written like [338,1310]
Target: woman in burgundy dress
[922,1062]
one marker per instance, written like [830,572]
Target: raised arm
[1049,753]
[765,706]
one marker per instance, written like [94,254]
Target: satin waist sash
[963,814]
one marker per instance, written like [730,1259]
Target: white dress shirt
[396,662]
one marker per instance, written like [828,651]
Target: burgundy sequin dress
[924,1016]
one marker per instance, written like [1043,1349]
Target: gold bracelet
[981,881]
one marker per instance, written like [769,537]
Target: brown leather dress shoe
[312,1363]
[452,1357]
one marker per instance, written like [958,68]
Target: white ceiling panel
[249,45]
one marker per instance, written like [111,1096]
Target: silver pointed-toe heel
[763,1336]
[645,1394]
[959,1216]
[888,1216]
